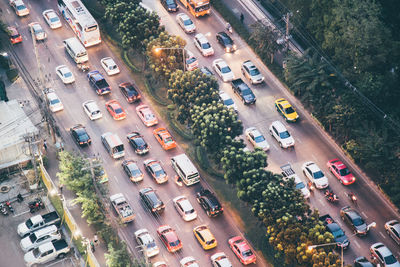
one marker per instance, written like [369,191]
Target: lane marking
[16,24]
[140,216]
[355,242]
[384,236]
[8,11]
[177,227]
[365,215]
[191,248]
[116,180]
[19,214]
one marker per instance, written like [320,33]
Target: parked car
[242,250]
[56,249]
[362,262]
[189,262]
[227,100]
[39,237]
[184,208]
[205,70]
[315,175]
[204,46]
[19,8]
[209,202]
[132,170]
[50,16]
[55,103]
[169,238]
[80,135]
[339,237]
[281,134]
[340,170]
[146,115]
[138,143]
[116,110]
[256,138]
[220,260]
[205,237]
[92,110]
[286,109]
[129,91]
[383,255]
[147,243]
[223,70]
[226,42]
[151,200]
[38,31]
[251,72]
[393,230]
[170,5]
[14,35]
[154,168]
[65,74]
[165,139]
[185,22]
[98,82]
[109,66]
[191,61]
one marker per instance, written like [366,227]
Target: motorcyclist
[228,27]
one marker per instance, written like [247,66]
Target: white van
[113,145]
[40,237]
[76,50]
[185,169]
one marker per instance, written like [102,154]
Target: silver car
[393,229]
[185,208]
[383,255]
[251,72]
[185,22]
[38,31]
[147,243]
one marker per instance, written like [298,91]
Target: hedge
[12,75]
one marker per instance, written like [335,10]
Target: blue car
[98,82]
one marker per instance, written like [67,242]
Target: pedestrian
[61,188]
[96,240]
[241,17]
[92,246]
[45,144]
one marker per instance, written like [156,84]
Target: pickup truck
[243,91]
[121,206]
[338,234]
[37,222]
[98,82]
[56,249]
[288,173]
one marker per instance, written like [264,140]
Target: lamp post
[158,49]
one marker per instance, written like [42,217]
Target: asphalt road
[310,143]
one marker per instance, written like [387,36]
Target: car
[50,16]
[286,109]
[98,82]
[65,74]
[226,41]
[55,103]
[146,115]
[205,237]
[154,168]
[19,7]
[340,170]
[138,143]
[169,238]
[92,110]
[220,260]
[206,71]
[299,185]
[185,22]
[393,230]
[189,262]
[80,135]
[355,221]
[38,31]
[109,66]
[242,250]
[223,70]
[146,243]
[256,138]
[204,46]
[383,255]
[281,134]
[251,72]
[170,5]
[339,237]
[129,91]
[227,100]
[184,208]
[362,262]
[151,200]
[132,170]
[159,264]
[315,175]
[209,202]
[116,110]
[164,138]
[245,93]
[191,62]
[14,35]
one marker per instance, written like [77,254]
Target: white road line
[365,215]
[116,180]
[16,24]
[298,140]
[140,217]
[320,200]
[25,38]
[19,214]
[8,11]
[191,248]
[201,220]
[29,4]
[384,236]
[177,227]
[355,242]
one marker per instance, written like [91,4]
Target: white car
[38,31]
[220,260]
[92,110]
[299,184]
[65,74]
[185,22]
[109,66]
[223,70]
[50,16]
[189,262]
[202,43]
[251,72]
[315,175]
[383,255]
[191,61]
[159,263]
[55,103]
[19,8]
[393,230]
[39,237]
[147,243]
[281,134]
[227,100]
[256,138]
[185,208]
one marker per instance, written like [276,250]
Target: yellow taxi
[286,109]
[205,237]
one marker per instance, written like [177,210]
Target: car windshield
[358,221]
[54,19]
[175,243]
[29,223]
[187,22]
[15,36]
[102,83]
[212,241]
[170,2]
[289,110]
[21,7]
[54,101]
[284,135]
[189,211]
[191,60]
[318,174]
[390,260]
[67,74]
[151,245]
[36,252]
[259,139]
[344,172]
[228,102]
[337,233]
[300,185]
[118,110]
[226,69]
[168,140]
[32,238]
[254,72]
[205,45]
[247,253]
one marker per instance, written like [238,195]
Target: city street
[311,143]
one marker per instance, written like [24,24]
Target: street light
[158,49]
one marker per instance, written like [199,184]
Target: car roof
[383,250]
[221,62]
[224,96]
[249,64]
[183,16]
[18,2]
[279,126]
[170,235]
[12,30]
[396,225]
[109,60]
[243,245]
[206,233]
[97,76]
[254,131]
[91,104]
[201,38]
[313,167]
[340,165]
[52,95]
[185,204]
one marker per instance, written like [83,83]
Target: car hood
[22,229]
[321,181]
[29,257]
[25,243]
[249,98]
[288,141]
[363,228]
[264,145]
[342,240]
[257,77]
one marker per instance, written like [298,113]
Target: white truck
[56,249]
[37,222]
[121,206]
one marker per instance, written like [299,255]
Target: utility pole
[30,138]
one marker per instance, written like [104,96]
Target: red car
[164,138]
[169,238]
[242,250]
[341,171]
[14,35]
[146,115]
[115,109]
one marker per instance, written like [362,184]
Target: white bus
[81,21]
[76,50]
[185,169]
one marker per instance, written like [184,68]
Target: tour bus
[76,50]
[198,8]
[185,169]
[81,21]
[113,145]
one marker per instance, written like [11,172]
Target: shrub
[12,75]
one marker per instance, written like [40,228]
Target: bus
[185,169]
[197,8]
[81,21]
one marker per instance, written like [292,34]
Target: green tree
[119,257]
[115,11]
[190,88]
[264,40]
[90,206]
[72,173]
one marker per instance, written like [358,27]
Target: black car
[226,41]
[354,220]
[98,82]
[170,5]
[137,141]
[243,91]
[132,170]
[80,135]
[151,200]
[130,93]
[362,262]
[209,203]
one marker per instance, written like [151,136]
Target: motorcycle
[20,198]
[229,28]
[35,205]
[83,67]
[10,208]
[352,197]
[311,186]
[330,196]
[3,209]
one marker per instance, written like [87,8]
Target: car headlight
[234,47]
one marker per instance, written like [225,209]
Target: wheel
[280,144]
[270,132]
[61,256]
[341,181]
[208,213]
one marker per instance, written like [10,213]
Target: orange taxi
[14,35]
[164,138]
[116,110]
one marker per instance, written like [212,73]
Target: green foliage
[91,209]
[264,41]
[3,92]
[117,256]
[128,62]
[191,88]
[185,133]
[12,74]
[72,174]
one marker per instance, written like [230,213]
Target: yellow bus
[198,8]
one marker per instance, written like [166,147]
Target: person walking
[45,144]
[241,18]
